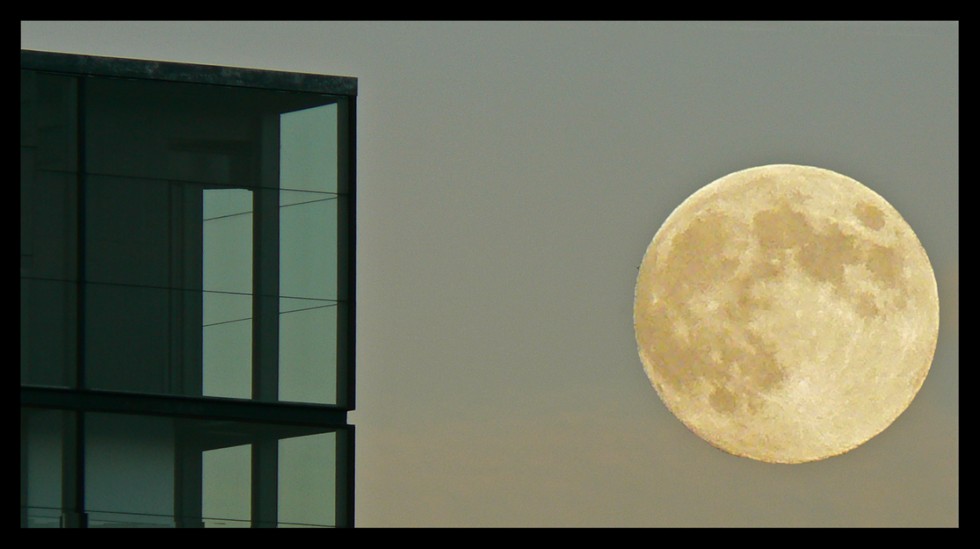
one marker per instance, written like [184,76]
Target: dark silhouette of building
[187,295]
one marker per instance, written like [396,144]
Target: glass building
[187,285]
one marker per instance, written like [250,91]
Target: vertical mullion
[344,486]
[188,478]
[73,477]
[346,250]
[265,266]
[265,482]
[73,471]
[265,323]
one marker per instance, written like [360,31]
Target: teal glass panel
[228,359]
[227,487]
[308,245]
[227,299]
[308,480]
[308,149]
[228,250]
[148,471]
[307,351]
[308,290]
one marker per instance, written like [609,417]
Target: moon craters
[786,313]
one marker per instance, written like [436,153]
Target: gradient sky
[510,178]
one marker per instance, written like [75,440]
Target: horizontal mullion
[87,400]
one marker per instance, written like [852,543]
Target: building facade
[187,295]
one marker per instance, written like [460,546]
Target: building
[187,295]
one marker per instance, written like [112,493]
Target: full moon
[786,313]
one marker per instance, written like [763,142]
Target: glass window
[309,152]
[226,497]
[227,298]
[308,351]
[183,240]
[145,471]
[307,482]
[215,208]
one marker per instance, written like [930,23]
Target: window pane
[308,480]
[227,300]
[308,245]
[227,249]
[147,471]
[308,351]
[228,359]
[227,487]
[309,149]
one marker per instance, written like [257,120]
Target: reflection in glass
[308,245]
[307,351]
[308,263]
[227,299]
[147,471]
[228,360]
[308,149]
[307,480]
[201,215]
[227,487]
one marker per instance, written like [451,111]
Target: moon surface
[786,313]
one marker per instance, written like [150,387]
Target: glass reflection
[227,487]
[307,483]
[308,151]
[211,246]
[227,297]
[144,471]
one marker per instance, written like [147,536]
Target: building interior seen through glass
[182,239]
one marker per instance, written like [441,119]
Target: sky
[510,176]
